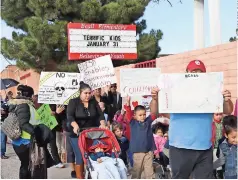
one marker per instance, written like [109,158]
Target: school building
[28,77]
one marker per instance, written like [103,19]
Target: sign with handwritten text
[45,116]
[138,81]
[98,72]
[58,87]
[191,93]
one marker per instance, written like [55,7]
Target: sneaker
[73,174]
[4,157]
[60,165]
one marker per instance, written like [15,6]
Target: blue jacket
[228,156]
[142,139]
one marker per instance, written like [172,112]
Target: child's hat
[196,64]
[99,144]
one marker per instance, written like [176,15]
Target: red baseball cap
[196,65]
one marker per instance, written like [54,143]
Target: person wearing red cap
[190,136]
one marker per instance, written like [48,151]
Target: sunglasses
[113,86]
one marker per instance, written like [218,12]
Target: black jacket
[115,101]
[22,110]
[124,145]
[85,117]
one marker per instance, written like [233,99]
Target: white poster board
[58,87]
[98,72]
[191,93]
[138,81]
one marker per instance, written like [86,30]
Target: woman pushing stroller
[82,113]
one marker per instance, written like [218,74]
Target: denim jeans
[3,143]
[77,152]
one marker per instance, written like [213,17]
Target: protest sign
[90,41]
[45,116]
[191,93]
[58,87]
[138,81]
[98,72]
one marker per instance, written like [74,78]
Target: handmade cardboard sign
[45,116]
[98,72]
[191,93]
[138,81]
[58,87]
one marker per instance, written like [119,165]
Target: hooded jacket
[22,109]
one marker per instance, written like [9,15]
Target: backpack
[11,126]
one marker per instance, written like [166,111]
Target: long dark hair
[25,91]
[83,86]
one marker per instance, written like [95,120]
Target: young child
[117,129]
[228,148]
[120,117]
[158,133]
[106,166]
[216,136]
[142,142]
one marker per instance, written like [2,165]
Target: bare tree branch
[158,1]
[170,3]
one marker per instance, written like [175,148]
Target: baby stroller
[86,139]
[162,172]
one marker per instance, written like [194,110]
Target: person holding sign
[82,113]
[190,136]
[99,98]
[114,98]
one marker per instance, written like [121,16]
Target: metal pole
[198,24]
[214,22]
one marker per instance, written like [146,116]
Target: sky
[176,24]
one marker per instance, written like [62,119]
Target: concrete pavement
[10,167]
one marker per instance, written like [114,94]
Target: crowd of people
[189,145]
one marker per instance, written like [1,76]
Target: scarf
[214,131]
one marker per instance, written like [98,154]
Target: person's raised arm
[127,107]
[154,102]
[101,117]
[227,104]
[71,116]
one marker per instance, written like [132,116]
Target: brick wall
[221,58]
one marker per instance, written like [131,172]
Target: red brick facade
[28,77]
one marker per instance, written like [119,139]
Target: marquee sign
[90,41]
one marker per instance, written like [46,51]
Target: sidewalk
[10,168]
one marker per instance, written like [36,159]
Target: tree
[232,39]
[43,43]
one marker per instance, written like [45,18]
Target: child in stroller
[160,132]
[100,151]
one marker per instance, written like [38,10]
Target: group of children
[145,139]
[140,141]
